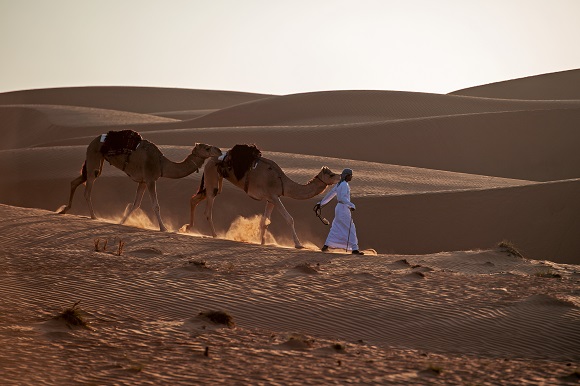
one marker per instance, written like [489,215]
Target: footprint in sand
[400,264]
[305,269]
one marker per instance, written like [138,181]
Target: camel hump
[120,142]
[241,158]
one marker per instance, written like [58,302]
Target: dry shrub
[218,317]
[97,242]
[72,316]
[510,248]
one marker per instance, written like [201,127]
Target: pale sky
[284,46]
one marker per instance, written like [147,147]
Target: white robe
[342,228]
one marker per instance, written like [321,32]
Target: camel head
[327,176]
[205,151]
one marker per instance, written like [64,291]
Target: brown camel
[144,164]
[263,180]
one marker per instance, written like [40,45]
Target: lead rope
[318,211]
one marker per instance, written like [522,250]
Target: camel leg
[265,221]
[153,194]
[209,213]
[213,183]
[88,191]
[278,204]
[195,200]
[93,172]
[73,187]
[137,203]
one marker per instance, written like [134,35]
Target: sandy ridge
[133,99]
[410,211]
[475,144]
[556,86]
[361,106]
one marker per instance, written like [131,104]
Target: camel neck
[302,192]
[170,169]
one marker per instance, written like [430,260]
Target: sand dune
[520,145]
[480,219]
[28,125]
[132,99]
[113,190]
[341,107]
[555,86]
[439,181]
[341,319]
[512,144]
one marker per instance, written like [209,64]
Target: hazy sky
[284,46]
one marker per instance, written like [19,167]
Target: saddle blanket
[120,142]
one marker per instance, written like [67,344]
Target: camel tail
[202,185]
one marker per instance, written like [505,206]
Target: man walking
[343,231]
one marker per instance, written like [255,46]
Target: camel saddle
[240,159]
[120,142]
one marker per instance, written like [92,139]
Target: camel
[262,180]
[144,165]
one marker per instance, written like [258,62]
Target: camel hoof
[62,210]
[186,228]
[299,246]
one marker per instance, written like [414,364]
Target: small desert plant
[510,248]
[121,246]
[72,316]
[97,242]
[219,317]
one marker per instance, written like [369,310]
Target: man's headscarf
[346,172]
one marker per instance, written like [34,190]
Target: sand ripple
[137,304]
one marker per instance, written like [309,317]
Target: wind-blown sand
[439,181]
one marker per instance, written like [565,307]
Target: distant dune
[509,143]
[468,211]
[348,107]
[555,86]
[133,99]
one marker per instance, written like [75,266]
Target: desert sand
[439,182]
